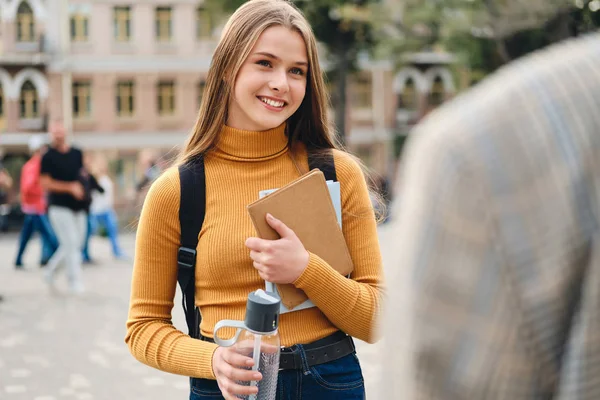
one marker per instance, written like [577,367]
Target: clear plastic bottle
[257,338]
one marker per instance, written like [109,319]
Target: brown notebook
[305,206]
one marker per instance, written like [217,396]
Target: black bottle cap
[262,311]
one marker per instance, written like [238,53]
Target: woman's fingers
[231,367]
[231,390]
[236,359]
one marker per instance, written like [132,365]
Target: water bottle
[257,338]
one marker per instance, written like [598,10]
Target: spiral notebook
[311,207]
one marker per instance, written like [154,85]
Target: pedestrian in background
[500,225]
[90,186]
[264,108]
[102,210]
[6,183]
[62,170]
[34,206]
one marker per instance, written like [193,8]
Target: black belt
[330,348]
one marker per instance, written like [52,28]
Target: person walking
[33,204]
[102,208]
[62,172]
[6,183]
[499,225]
[264,109]
[90,186]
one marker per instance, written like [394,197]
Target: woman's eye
[264,63]
[297,71]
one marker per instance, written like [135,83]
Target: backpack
[192,208]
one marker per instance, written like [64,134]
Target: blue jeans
[108,220]
[341,379]
[85,251]
[37,223]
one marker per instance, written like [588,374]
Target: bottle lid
[262,311]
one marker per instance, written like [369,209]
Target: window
[437,93]
[79,27]
[407,99]
[82,99]
[28,101]
[125,105]
[204,26]
[166,98]
[122,23]
[25,23]
[200,88]
[164,26]
[362,96]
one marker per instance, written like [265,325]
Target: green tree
[345,29]
[486,34]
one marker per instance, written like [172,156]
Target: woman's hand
[278,261]
[227,366]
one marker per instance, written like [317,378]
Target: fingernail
[257,376]
[270,216]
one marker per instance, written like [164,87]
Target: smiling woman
[271,74]
[262,113]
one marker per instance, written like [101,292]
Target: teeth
[272,103]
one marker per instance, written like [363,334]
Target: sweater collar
[251,145]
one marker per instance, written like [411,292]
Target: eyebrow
[274,57]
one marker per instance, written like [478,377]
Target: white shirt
[102,202]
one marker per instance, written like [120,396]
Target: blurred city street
[64,347]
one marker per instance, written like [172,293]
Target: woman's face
[271,83]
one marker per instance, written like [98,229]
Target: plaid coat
[498,222]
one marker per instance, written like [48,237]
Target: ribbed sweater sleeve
[353,305]
[151,336]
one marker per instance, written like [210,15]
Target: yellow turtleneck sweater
[243,164]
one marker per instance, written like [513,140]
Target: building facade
[127,78]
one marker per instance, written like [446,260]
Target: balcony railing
[26,53]
[31,124]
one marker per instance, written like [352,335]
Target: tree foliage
[485,34]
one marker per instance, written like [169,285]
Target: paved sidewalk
[64,347]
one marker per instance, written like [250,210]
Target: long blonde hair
[309,124]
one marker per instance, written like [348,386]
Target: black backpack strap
[323,160]
[192,207]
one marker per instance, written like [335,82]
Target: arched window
[437,93]
[29,101]
[25,23]
[407,100]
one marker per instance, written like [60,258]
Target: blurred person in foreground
[62,169]
[33,204]
[499,226]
